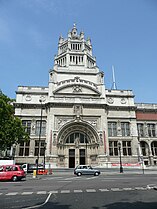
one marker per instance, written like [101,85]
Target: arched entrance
[77,142]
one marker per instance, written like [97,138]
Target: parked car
[86,170]
[11,172]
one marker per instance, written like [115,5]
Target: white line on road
[26,193]
[12,193]
[41,192]
[128,189]
[54,192]
[77,191]
[37,206]
[104,190]
[90,190]
[65,191]
[116,189]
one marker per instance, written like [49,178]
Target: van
[28,168]
[11,172]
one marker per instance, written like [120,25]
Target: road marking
[41,192]
[65,191]
[37,206]
[52,178]
[104,190]
[72,178]
[90,190]
[26,193]
[140,188]
[1,193]
[116,189]
[151,186]
[53,192]
[128,189]
[12,193]
[93,177]
[78,191]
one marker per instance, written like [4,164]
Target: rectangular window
[125,127]
[140,128]
[24,148]
[112,129]
[41,147]
[113,148]
[151,130]
[27,125]
[126,146]
[43,128]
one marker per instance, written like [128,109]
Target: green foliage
[11,129]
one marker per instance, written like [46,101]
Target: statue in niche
[77,110]
[100,140]
[54,139]
[77,142]
[33,126]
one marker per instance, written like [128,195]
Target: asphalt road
[66,191]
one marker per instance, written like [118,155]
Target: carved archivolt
[78,127]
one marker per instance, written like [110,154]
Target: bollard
[34,173]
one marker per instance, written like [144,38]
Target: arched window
[81,137]
[144,146]
[154,148]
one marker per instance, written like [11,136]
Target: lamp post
[37,160]
[44,153]
[120,157]
[140,153]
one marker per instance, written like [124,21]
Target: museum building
[76,120]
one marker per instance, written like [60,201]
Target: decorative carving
[33,124]
[78,110]
[54,139]
[100,140]
[110,100]
[123,101]
[28,98]
[42,98]
[77,142]
[77,89]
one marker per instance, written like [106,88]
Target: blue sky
[123,34]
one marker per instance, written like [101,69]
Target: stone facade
[76,120]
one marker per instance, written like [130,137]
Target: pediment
[77,89]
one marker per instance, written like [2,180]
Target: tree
[11,129]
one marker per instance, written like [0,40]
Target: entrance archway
[78,139]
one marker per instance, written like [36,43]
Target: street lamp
[44,153]
[120,157]
[37,160]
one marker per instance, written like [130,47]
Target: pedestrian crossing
[88,190]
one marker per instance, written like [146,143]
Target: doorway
[71,158]
[82,157]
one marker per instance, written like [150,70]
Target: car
[86,170]
[12,172]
